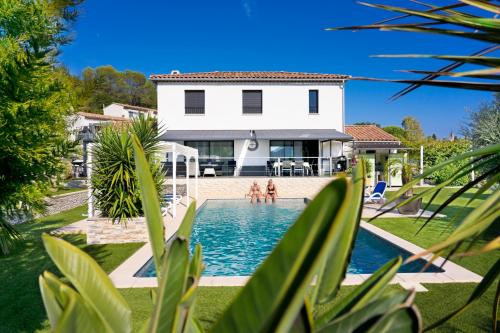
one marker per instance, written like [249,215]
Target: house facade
[127,111]
[256,123]
[378,148]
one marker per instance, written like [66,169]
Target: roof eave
[188,80]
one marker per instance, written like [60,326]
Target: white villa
[256,123]
[114,112]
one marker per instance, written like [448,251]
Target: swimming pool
[237,236]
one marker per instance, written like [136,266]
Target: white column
[196,177]
[174,181]
[90,206]
[188,162]
[421,163]
[320,150]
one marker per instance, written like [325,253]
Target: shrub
[114,179]
[440,151]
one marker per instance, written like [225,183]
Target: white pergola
[177,149]
[165,147]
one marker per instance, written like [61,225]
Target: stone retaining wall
[59,203]
[235,188]
[103,231]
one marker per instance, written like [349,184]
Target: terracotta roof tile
[369,133]
[137,108]
[249,76]
[98,116]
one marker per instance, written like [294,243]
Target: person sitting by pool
[255,193]
[271,191]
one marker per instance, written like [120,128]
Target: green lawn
[22,309]
[64,190]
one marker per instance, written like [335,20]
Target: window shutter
[195,101]
[252,101]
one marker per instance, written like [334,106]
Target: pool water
[237,236]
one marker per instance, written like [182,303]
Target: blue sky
[158,36]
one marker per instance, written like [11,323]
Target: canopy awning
[273,134]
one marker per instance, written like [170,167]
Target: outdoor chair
[231,166]
[299,167]
[193,169]
[378,192]
[168,201]
[286,167]
[308,169]
[269,168]
[209,172]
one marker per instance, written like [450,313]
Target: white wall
[284,106]
[115,110]
[243,156]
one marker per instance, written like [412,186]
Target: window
[252,101]
[293,148]
[194,101]
[313,101]
[213,150]
[133,114]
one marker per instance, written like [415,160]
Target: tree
[104,85]
[413,129]
[397,131]
[114,180]
[483,127]
[367,123]
[34,103]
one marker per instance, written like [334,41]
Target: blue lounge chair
[378,192]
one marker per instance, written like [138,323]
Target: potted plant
[407,170]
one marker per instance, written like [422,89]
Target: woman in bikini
[271,191]
[255,193]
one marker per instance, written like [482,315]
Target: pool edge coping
[124,275]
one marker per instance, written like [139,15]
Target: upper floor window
[252,101]
[195,102]
[313,101]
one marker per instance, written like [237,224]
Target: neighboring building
[86,121]
[244,122]
[126,110]
[376,146]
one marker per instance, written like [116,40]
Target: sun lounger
[378,192]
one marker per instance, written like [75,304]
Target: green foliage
[104,85]
[366,123]
[397,131]
[460,19]
[438,151]
[34,103]
[483,127]
[413,129]
[114,179]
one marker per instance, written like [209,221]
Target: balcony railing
[261,166]
[195,110]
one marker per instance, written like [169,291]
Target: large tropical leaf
[335,264]
[457,20]
[364,294]
[66,309]
[91,282]
[274,296]
[368,316]
[151,205]
[173,280]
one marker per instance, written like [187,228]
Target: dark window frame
[251,109]
[314,109]
[193,110]
[210,156]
